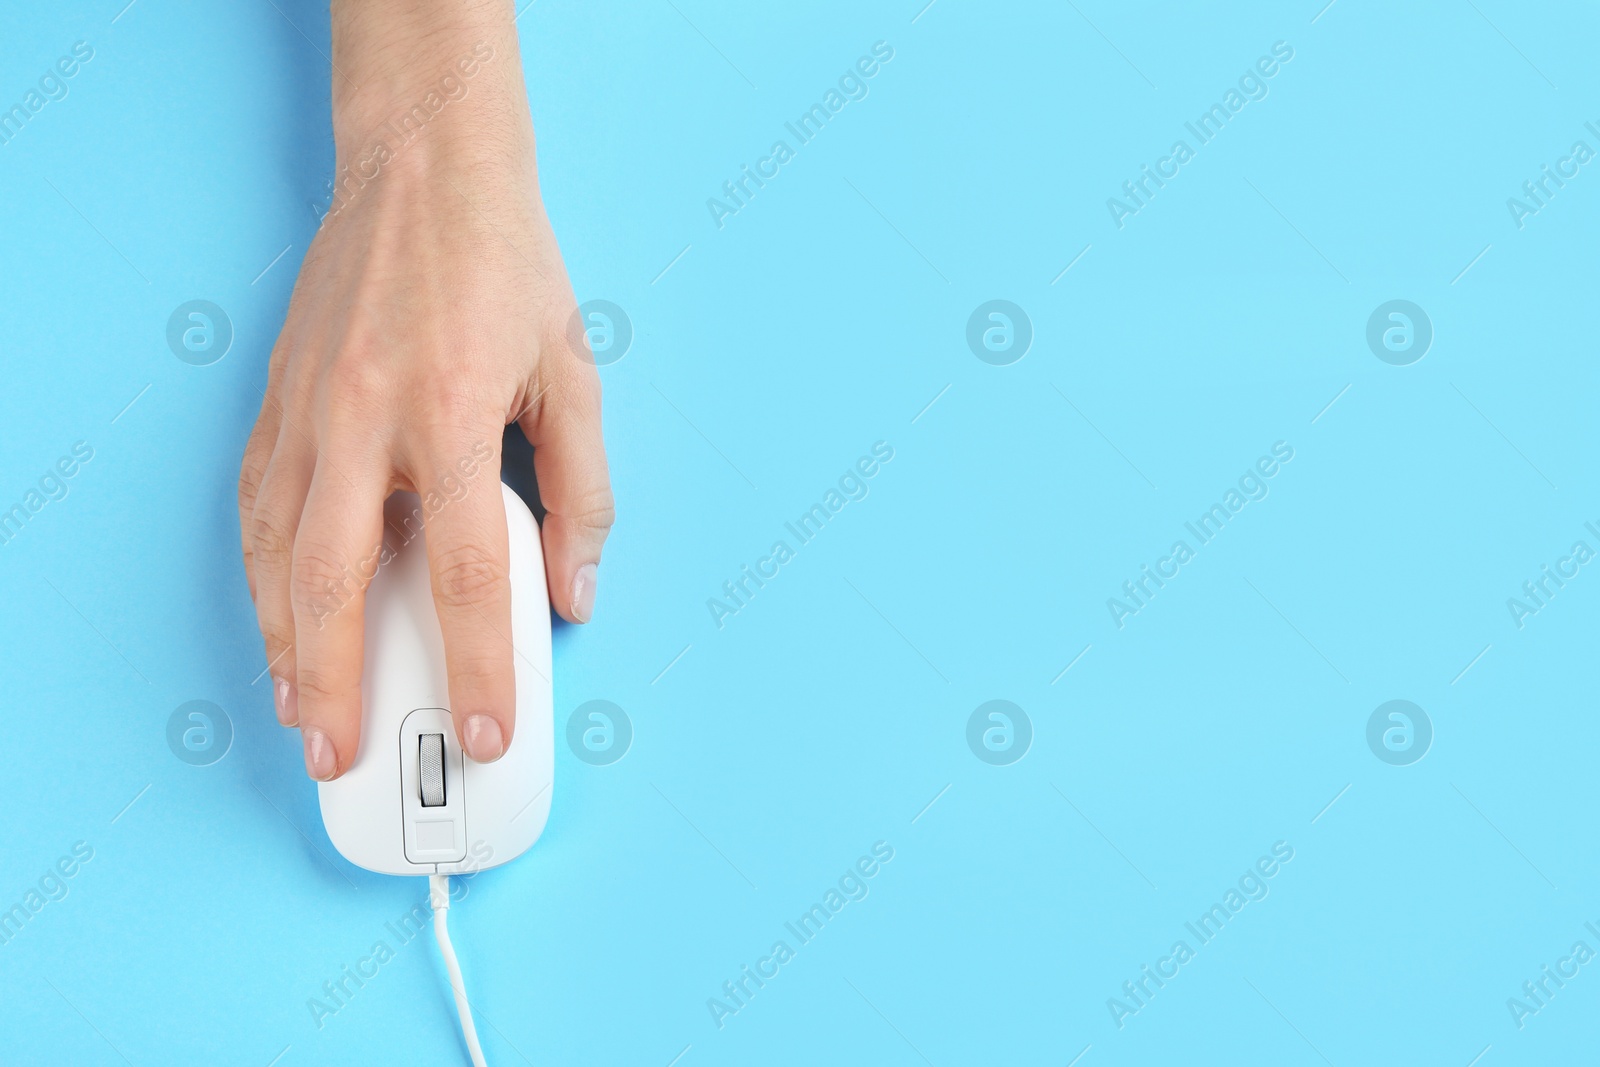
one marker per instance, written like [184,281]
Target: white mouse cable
[439,901]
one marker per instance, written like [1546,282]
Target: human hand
[431,311]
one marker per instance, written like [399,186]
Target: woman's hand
[431,311]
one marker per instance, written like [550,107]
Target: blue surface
[1167,756]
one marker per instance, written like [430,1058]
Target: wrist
[423,77]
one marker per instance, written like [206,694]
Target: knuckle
[593,510]
[251,470]
[249,485]
[450,410]
[598,516]
[321,583]
[319,685]
[481,672]
[467,577]
[357,381]
[279,639]
[282,349]
[270,546]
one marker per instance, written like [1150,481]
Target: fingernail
[287,701]
[583,592]
[319,754]
[483,740]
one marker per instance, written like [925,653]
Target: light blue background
[824,717]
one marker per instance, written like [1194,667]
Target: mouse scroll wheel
[431,764]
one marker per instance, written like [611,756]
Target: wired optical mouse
[411,802]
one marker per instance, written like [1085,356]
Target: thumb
[569,460]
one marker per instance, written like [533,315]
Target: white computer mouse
[411,803]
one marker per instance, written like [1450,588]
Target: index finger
[335,556]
